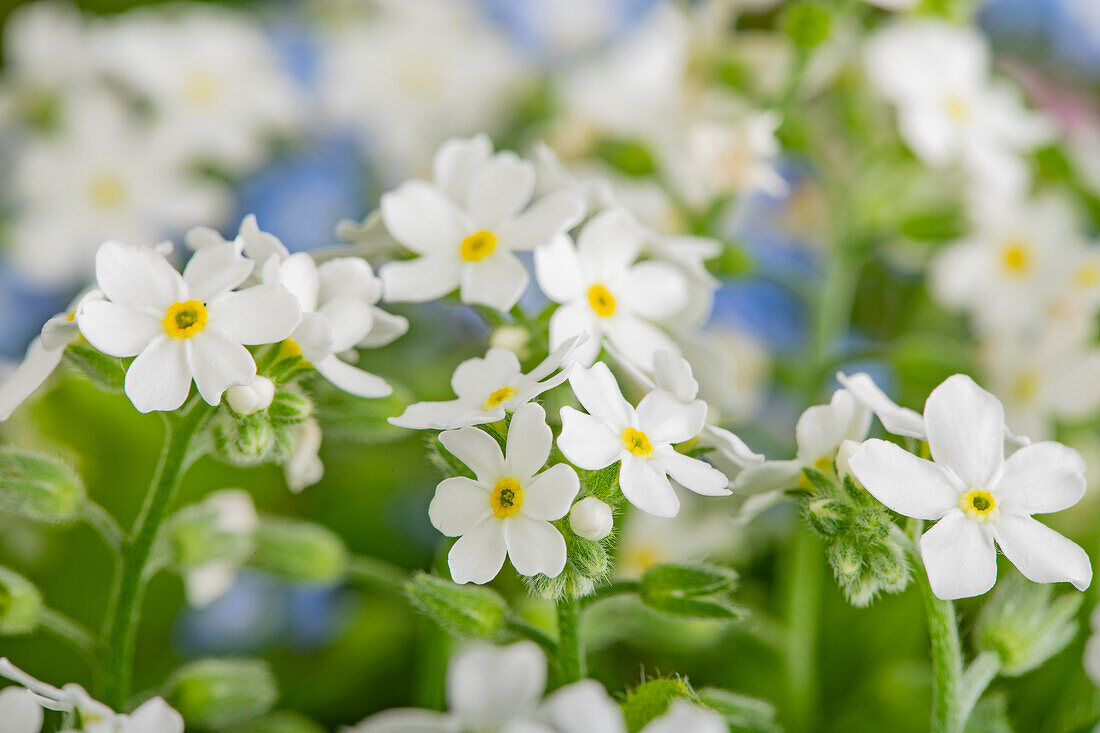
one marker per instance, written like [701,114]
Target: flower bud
[255,437]
[461,609]
[1024,624]
[214,693]
[591,518]
[20,604]
[217,529]
[251,398]
[39,487]
[844,454]
[299,551]
[290,407]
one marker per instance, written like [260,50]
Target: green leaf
[630,157]
[461,610]
[694,607]
[688,580]
[741,711]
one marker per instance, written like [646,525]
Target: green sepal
[39,487]
[461,610]
[214,693]
[740,711]
[299,551]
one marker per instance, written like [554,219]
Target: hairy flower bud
[213,693]
[1024,624]
[300,551]
[591,518]
[39,487]
[20,604]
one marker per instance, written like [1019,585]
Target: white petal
[37,366]
[478,450]
[691,473]
[421,279]
[218,362]
[160,378]
[477,378]
[544,221]
[1040,553]
[599,393]
[966,430]
[314,337]
[584,707]
[351,321]
[207,583]
[402,720]
[263,314]
[768,476]
[534,546]
[549,495]
[118,330]
[133,275]
[822,428]
[497,282]
[587,442]
[897,420]
[154,716]
[489,686]
[298,274]
[529,442]
[418,216]
[959,557]
[348,277]
[457,160]
[646,486]
[558,270]
[665,419]
[385,328]
[1041,478]
[215,270]
[499,189]
[20,710]
[570,321]
[260,246]
[684,716]
[655,290]
[638,340]
[444,415]
[608,244]
[672,373]
[479,554]
[909,485]
[352,379]
[459,505]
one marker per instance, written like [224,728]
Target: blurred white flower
[683,716]
[699,533]
[412,74]
[978,496]
[466,226]
[233,513]
[101,177]
[20,710]
[639,439]
[949,110]
[43,356]
[248,399]
[507,510]
[1092,648]
[486,388]
[182,328]
[606,294]
[304,467]
[217,89]
[591,518]
[46,51]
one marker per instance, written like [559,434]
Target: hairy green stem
[571,662]
[975,680]
[121,625]
[522,628]
[105,525]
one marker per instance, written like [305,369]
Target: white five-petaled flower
[486,388]
[466,226]
[182,328]
[605,293]
[508,508]
[639,439]
[21,708]
[978,496]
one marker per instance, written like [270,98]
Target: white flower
[43,356]
[978,496]
[591,518]
[304,467]
[1092,648]
[639,439]
[896,419]
[182,328]
[508,508]
[256,244]
[486,389]
[466,226]
[18,716]
[232,513]
[251,398]
[606,294]
[948,108]
[684,716]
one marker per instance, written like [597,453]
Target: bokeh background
[324,105]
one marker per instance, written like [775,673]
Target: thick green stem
[571,662]
[129,589]
[803,607]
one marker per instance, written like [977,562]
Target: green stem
[74,634]
[522,628]
[130,586]
[571,661]
[374,572]
[105,525]
[803,608]
[975,680]
[617,588]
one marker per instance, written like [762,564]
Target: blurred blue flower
[25,308]
[297,46]
[764,309]
[1067,32]
[300,197]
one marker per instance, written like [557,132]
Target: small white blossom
[304,467]
[978,496]
[639,439]
[591,518]
[251,398]
[508,508]
[606,294]
[466,226]
[487,388]
[182,328]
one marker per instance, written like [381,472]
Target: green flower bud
[461,609]
[300,551]
[290,408]
[807,24]
[697,591]
[650,700]
[214,693]
[255,436]
[39,487]
[217,529]
[1025,625]
[827,517]
[20,604]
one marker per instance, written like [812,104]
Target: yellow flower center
[978,504]
[1016,256]
[478,246]
[957,109]
[637,443]
[107,191]
[184,320]
[1087,276]
[500,396]
[1026,386]
[202,88]
[507,498]
[601,300]
[823,464]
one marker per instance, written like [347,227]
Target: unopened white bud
[591,518]
[516,339]
[251,398]
[844,454]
